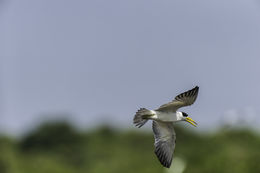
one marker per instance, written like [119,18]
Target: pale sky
[99,61]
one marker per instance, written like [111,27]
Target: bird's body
[166,116]
[163,119]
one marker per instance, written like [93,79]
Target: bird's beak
[191,121]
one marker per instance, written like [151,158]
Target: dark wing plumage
[184,99]
[165,138]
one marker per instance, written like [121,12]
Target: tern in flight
[163,119]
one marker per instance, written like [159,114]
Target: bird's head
[188,119]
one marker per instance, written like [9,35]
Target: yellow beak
[191,121]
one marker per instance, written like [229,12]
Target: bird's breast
[166,116]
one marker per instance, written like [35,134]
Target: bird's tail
[141,117]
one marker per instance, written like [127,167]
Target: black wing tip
[190,93]
[161,157]
[196,87]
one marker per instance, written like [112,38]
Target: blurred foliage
[59,148]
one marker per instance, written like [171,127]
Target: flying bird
[163,119]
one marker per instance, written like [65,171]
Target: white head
[182,116]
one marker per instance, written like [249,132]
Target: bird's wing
[165,139]
[184,99]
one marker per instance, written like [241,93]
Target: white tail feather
[141,117]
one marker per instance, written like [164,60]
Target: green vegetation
[59,148]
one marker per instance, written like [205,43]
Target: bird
[163,123]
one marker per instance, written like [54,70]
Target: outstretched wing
[165,139]
[184,99]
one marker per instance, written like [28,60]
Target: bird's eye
[184,114]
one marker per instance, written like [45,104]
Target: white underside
[164,116]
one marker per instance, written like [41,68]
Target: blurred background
[73,74]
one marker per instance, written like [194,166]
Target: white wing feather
[165,139]
[184,99]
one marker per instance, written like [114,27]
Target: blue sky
[99,61]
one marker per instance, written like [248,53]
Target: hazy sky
[99,60]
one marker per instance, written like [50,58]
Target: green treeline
[59,148]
